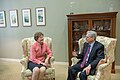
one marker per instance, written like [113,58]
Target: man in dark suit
[91,54]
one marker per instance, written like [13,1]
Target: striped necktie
[85,57]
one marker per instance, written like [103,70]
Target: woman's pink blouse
[37,52]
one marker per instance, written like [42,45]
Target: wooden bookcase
[103,23]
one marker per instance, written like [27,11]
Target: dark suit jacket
[96,54]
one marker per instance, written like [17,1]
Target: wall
[56,23]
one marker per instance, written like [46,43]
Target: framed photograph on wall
[2,19]
[40,16]
[13,18]
[26,17]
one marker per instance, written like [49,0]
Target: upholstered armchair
[104,66]
[26,73]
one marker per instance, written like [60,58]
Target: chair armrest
[101,67]
[52,59]
[24,62]
[103,63]
[74,60]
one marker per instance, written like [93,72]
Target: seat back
[27,42]
[109,44]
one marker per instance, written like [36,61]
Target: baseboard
[117,66]
[61,63]
[9,59]
[17,60]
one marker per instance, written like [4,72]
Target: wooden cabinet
[103,23]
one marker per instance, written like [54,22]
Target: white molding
[117,66]
[9,59]
[61,63]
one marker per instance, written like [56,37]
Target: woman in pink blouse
[38,62]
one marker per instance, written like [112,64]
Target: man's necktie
[85,57]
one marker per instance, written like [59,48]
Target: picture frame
[2,19]
[13,18]
[26,17]
[40,16]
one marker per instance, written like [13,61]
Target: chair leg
[23,78]
[52,79]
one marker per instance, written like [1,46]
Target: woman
[38,62]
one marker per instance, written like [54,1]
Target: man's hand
[74,53]
[87,69]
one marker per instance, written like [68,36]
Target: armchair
[26,73]
[104,66]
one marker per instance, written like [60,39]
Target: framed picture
[26,17]
[2,19]
[40,16]
[13,18]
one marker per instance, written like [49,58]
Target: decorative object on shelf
[101,25]
[2,19]
[26,17]
[107,25]
[13,18]
[76,26]
[84,25]
[40,16]
[76,36]
[71,13]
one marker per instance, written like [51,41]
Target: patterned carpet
[10,70]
